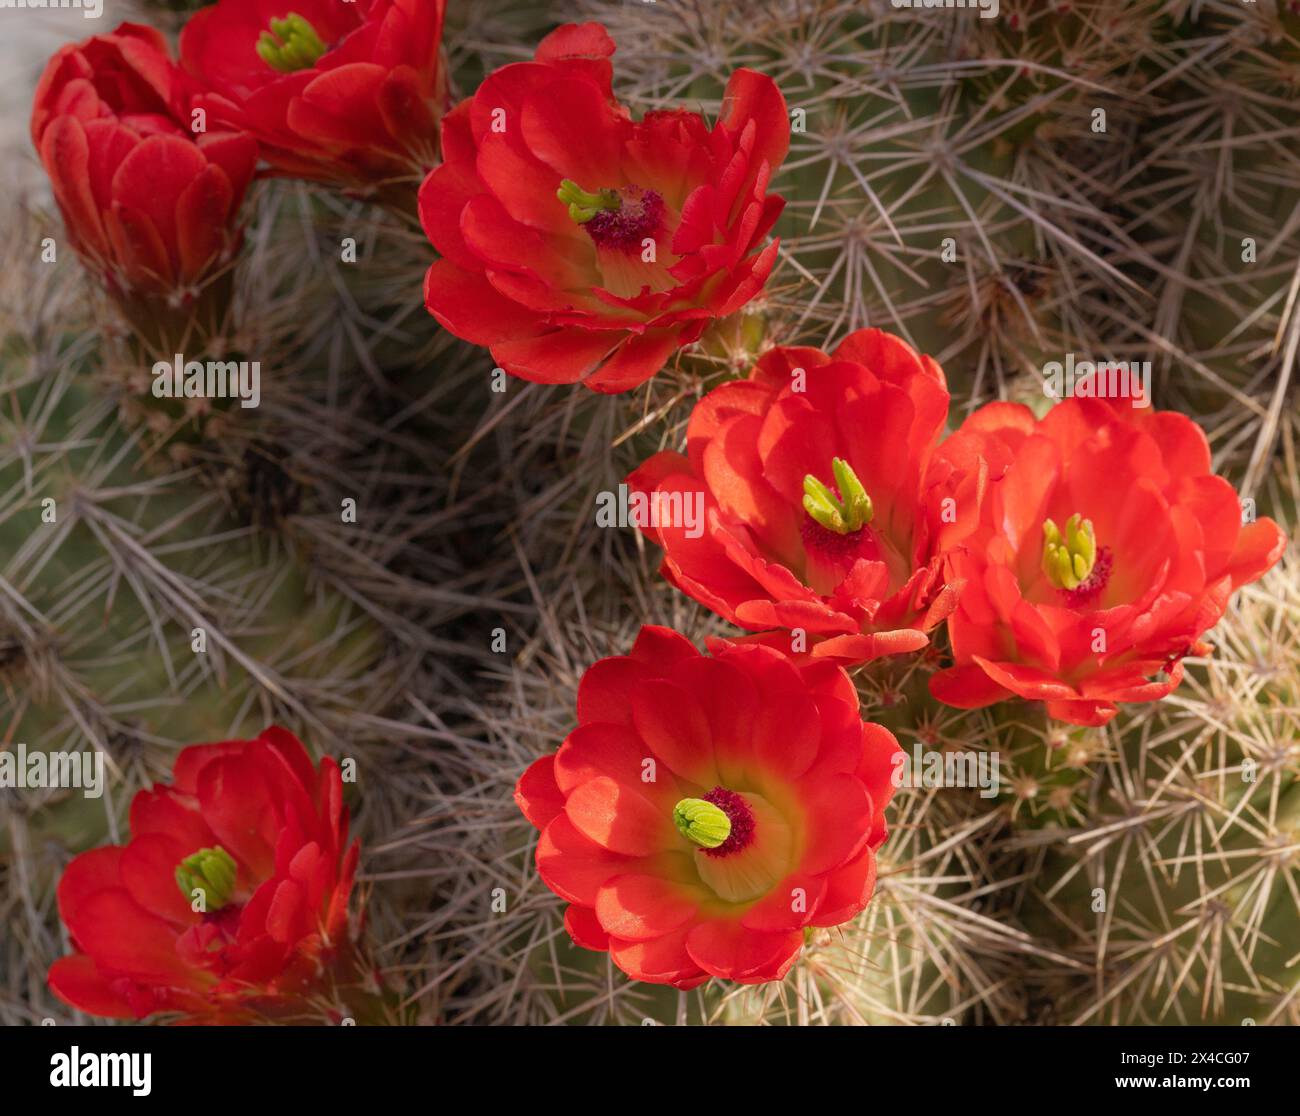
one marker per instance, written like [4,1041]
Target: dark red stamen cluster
[833,546]
[640,215]
[1086,592]
[740,816]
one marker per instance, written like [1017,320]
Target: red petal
[163,810]
[86,875]
[848,890]
[662,648]
[201,216]
[614,751]
[751,96]
[443,196]
[571,127]
[238,806]
[468,305]
[574,867]
[148,871]
[726,949]
[122,936]
[575,40]
[236,154]
[839,817]
[340,107]
[660,961]
[674,728]
[407,115]
[584,928]
[638,908]
[66,155]
[191,761]
[563,356]
[581,48]
[1259,546]
[618,818]
[152,178]
[78,983]
[788,906]
[536,793]
[287,919]
[606,690]
[636,360]
[966,687]
[139,248]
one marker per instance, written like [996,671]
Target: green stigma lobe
[291,44]
[850,511]
[1070,555]
[584,205]
[701,823]
[211,871]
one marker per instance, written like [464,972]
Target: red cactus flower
[229,902]
[706,810]
[582,246]
[816,517]
[349,93]
[1105,548]
[147,204]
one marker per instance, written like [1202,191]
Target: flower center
[213,944]
[850,511]
[210,872]
[291,44]
[721,822]
[837,552]
[1069,557]
[1095,582]
[620,219]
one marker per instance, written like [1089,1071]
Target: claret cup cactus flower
[345,93]
[1106,548]
[707,810]
[819,514]
[230,902]
[582,246]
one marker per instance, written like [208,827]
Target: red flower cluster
[148,205]
[229,902]
[349,93]
[817,513]
[1105,548]
[706,810]
[829,512]
[582,246]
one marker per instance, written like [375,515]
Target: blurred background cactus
[1112,179]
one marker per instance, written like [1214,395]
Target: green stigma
[701,823]
[584,205]
[1068,558]
[211,871]
[291,44]
[849,512]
